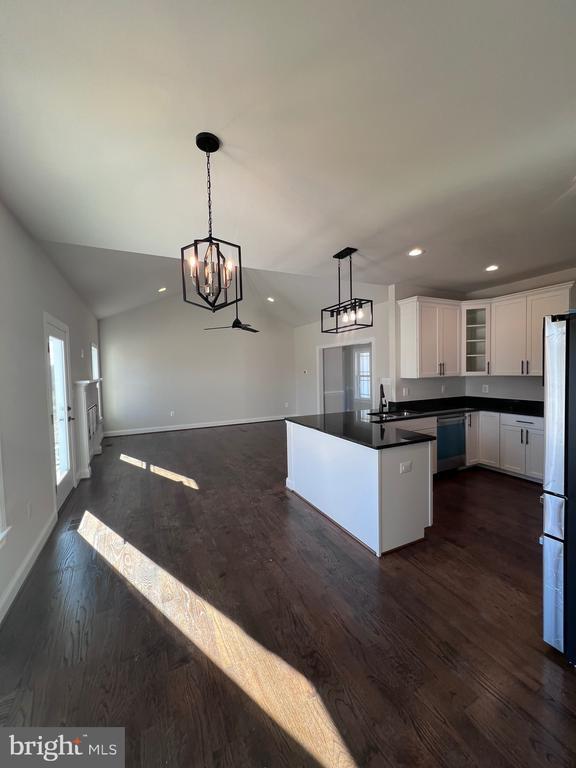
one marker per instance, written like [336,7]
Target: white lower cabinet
[535,453]
[427,426]
[472,438]
[512,451]
[489,439]
[522,445]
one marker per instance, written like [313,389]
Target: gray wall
[30,285]
[157,359]
[309,340]
[514,387]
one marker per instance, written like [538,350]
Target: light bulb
[352,316]
[192,265]
[360,314]
[345,317]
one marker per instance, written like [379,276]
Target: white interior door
[60,408]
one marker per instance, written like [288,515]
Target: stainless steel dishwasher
[451,441]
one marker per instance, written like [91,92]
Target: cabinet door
[512,450]
[429,340]
[472,438]
[450,339]
[433,447]
[508,336]
[489,439]
[534,442]
[538,306]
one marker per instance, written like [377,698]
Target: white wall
[30,285]
[157,359]
[308,340]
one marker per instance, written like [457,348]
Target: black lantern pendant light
[349,314]
[211,267]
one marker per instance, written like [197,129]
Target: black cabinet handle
[527,367]
[522,436]
[522,368]
[526,437]
[488,367]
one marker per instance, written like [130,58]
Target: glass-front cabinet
[475,339]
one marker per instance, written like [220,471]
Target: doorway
[347,378]
[59,406]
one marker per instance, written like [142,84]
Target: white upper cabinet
[498,337]
[540,304]
[450,339]
[508,336]
[517,323]
[475,338]
[429,338]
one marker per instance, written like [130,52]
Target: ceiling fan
[236,323]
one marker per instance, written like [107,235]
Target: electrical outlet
[405,391]
[305,371]
[405,466]
[485,388]
[172,414]
[285,405]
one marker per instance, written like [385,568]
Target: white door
[534,441]
[512,450]
[539,305]
[508,337]
[450,339]
[472,438]
[60,409]
[429,340]
[489,439]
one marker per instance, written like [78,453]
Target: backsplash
[517,387]
[426,389]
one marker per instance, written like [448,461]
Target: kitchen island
[374,480]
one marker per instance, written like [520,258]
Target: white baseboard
[198,425]
[9,594]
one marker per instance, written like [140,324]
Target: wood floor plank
[431,656]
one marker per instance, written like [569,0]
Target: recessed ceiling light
[492,268]
[416,252]
[270,298]
[161,290]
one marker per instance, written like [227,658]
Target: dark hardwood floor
[255,633]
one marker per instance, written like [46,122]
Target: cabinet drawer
[528,422]
[418,425]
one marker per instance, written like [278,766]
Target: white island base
[382,497]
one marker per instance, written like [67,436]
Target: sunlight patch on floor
[280,691]
[189,482]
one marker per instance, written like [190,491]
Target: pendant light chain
[209,189]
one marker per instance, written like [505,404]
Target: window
[96,375]
[362,376]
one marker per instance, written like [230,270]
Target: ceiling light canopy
[350,314]
[492,268]
[211,267]
[416,252]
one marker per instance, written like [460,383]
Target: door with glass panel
[476,339]
[60,409]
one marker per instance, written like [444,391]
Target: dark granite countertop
[444,406]
[360,428]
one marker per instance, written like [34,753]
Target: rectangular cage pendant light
[349,314]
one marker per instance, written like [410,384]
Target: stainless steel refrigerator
[559,498]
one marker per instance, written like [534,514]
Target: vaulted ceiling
[377,124]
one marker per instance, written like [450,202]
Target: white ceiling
[377,124]
[115,281]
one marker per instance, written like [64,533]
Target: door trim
[320,367]
[49,319]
